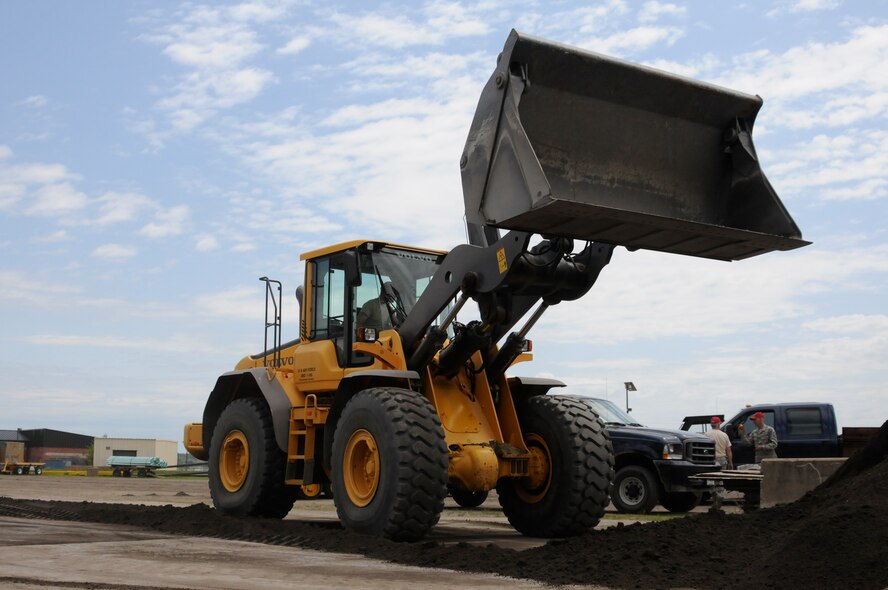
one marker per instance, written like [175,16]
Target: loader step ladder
[301,444]
[276,304]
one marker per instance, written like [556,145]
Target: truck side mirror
[731,431]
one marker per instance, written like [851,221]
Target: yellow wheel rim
[311,490]
[234,460]
[361,468]
[536,484]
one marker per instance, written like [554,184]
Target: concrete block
[787,480]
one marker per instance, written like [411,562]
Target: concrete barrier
[787,480]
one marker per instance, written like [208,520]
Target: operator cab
[359,289]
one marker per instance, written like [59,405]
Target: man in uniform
[763,438]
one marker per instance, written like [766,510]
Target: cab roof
[355,243]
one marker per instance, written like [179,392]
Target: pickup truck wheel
[389,464]
[680,501]
[246,467]
[635,490]
[467,499]
[571,470]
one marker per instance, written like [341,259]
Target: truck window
[804,422]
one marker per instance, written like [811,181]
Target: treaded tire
[581,469]
[680,502]
[412,464]
[467,499]
[263,492]
[636,490]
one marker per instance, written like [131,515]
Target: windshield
[391,282]
[610,413]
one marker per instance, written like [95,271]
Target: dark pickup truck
[807,429]
[652,465]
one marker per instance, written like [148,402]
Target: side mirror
[731,431]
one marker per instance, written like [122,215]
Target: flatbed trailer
[135,466]
[12,459]
[22,468]
[747,481]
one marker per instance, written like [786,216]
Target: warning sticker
[501,260]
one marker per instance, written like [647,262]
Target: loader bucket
[571,143]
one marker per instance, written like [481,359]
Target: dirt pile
[834,537]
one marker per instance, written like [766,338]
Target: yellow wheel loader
[387,401]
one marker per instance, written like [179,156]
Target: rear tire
[246,470]
[570,497]
[38,471]
[680,502]
[636,490]
[389,464]
[467,499]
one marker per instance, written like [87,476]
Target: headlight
[672,451]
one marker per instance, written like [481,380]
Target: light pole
[629,387]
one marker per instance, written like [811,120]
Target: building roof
[47,437]
[13,435]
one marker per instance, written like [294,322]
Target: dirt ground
[834,537]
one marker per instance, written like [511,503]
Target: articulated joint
[473,467]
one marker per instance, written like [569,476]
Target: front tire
[567,491]
[389,464]
[246,470]
[467,499]
[680,502]
[635,490]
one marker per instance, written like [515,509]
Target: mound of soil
[834,537]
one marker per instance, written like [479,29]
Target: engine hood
[654,434]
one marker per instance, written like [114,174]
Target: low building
[166,450]
[57,448]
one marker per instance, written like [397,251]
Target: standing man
[722,444]
[764,438]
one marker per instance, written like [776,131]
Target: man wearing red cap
[722,443]
[764,438]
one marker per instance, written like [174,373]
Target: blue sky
[157,158]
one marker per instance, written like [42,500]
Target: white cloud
[56,199]
[54,238]
[841,167]
[652,296]
[5,152]
[215,46]
[652,11]
[443,21]
[798,6]
[237,303]
[634,40]
[117,207]
[206,243]
[167,222]
[848,79]
[37,101]
[850,324]
[173,344]
[114,252]
[294,45]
